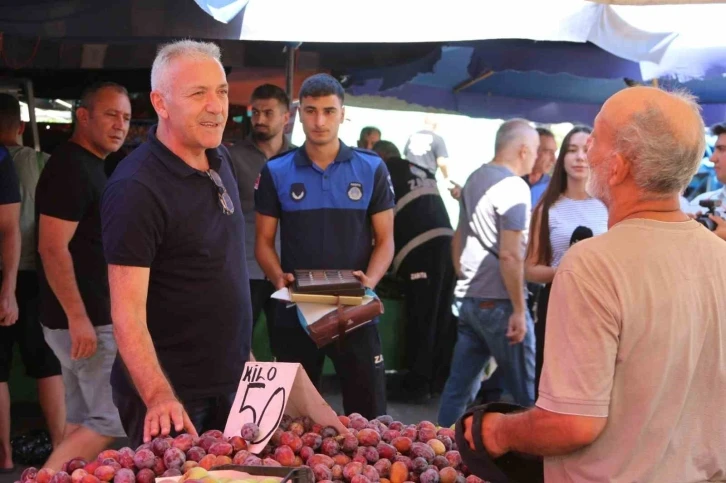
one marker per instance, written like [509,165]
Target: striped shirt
[566,215]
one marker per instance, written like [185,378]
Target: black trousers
[358,361]
[205,412]
[260,293]
[428,280]
[539,332]
[39,360]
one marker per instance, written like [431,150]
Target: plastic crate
[288,475]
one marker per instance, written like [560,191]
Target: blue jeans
[482,332]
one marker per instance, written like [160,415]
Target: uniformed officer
[335,208]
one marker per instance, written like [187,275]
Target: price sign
[267,391]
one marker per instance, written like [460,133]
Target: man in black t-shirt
[173,236]
[422,234]
[75,307]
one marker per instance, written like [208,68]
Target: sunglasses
[225,202]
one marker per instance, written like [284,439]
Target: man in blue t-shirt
[334,205]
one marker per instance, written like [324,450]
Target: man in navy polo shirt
[173,235]
[335,208]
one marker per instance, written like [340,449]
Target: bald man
[633,382]
[488,249]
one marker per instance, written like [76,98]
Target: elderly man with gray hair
[633,382]
[173,236]
[488,251]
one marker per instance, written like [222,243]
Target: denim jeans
[482,332]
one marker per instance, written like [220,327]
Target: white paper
[313,312]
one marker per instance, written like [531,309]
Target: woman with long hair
[564,215]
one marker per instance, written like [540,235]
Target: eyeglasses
[225,202]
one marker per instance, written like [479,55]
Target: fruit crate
[288,475]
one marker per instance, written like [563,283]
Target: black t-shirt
[424,148]
[158,212]
[70,189]
[420,212]
[9,185]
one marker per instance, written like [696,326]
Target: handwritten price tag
[267,391]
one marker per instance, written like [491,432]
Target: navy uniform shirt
[325,216]
[161,213]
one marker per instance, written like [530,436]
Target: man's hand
[720,230]
[164,412]
[83,337]
[284,280]
[455,190]
[8,309]
[488,435]
[363,279]
[517,328]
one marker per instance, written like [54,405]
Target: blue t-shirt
[325,216]
[159,212]
[538,188]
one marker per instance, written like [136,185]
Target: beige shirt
[636,332]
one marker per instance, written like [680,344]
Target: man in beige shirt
[633,384]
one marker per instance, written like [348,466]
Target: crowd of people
[133,297]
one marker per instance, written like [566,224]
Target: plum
[183,442]
[207,462]
[174,458]
[240,457]
[145,476]
[159,466]
[307,423]
[159,446]
[386,451]
[78,475]
[370,454]
[91,467]
[143,446]
[322,472]
[341,459]
[238,444]
[344,420]
[389,435]
[126,450]
[330,447]
[275,439]
[460,478]
[396,426]
[329,432]
[358,423]
[205,442]
[420,465]
[73,465]
[446,440]
[448,475]
[371,473]
[61,477]
[441,462]
[402,444]
[250,432]
[385,419]
[90,479]
[104,473]
[405,460]
[170,473]
[429,476]
[360,459]
[112,463]
[351,470]
[196,453]
[425,434]
[144,458]
[454,458]
[285,422]
[320,459]
[383,467]
[313,440]
[188,465]
[423,450]
[360,479]
[296,427]
[376,425]
[126,460]
[285,455]
[437,446]
[213,433]
[306,452]
[474,479]
[349,443]
[369,437]
[220,448]
[446,432]
[109,453]
[252,460]
[124,475]
[270,462]
[411,433]
[222,460]
[399,472]
[426,424]
[336,472]
[292,440]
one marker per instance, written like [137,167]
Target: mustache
[261,125]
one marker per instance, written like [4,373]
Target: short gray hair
[664,156]
[181,48]
[509,132]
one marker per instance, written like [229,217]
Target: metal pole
[290,70]
[31,113]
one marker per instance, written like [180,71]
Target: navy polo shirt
[161,213]
[325,216]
